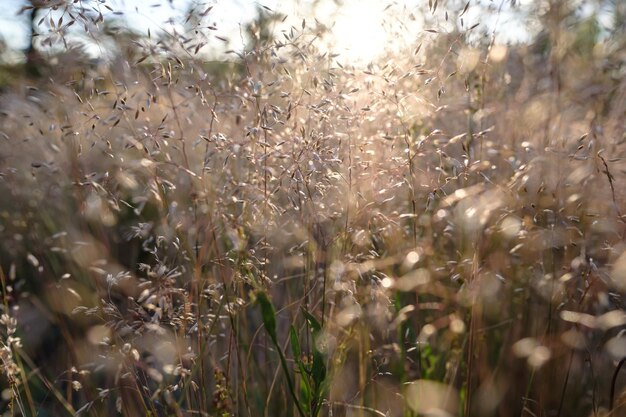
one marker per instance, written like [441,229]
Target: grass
[437,233]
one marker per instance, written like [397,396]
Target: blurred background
[338,208]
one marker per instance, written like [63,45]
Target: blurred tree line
[558,28]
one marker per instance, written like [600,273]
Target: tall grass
[440,232]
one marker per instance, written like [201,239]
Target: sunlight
[359,34]
[346,199]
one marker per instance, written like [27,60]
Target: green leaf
[315,325]
[269,320]
[305,394]
[269,315]
[318,368]
[318,371]
[295,344]
[318,375]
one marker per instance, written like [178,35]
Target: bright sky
[14,29]
[359,30]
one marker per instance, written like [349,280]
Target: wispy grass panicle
[288,229]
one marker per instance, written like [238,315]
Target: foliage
[440,231]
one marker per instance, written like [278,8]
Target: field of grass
[438,233]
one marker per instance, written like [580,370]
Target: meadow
[283,232]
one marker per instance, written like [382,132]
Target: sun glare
[359,35]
